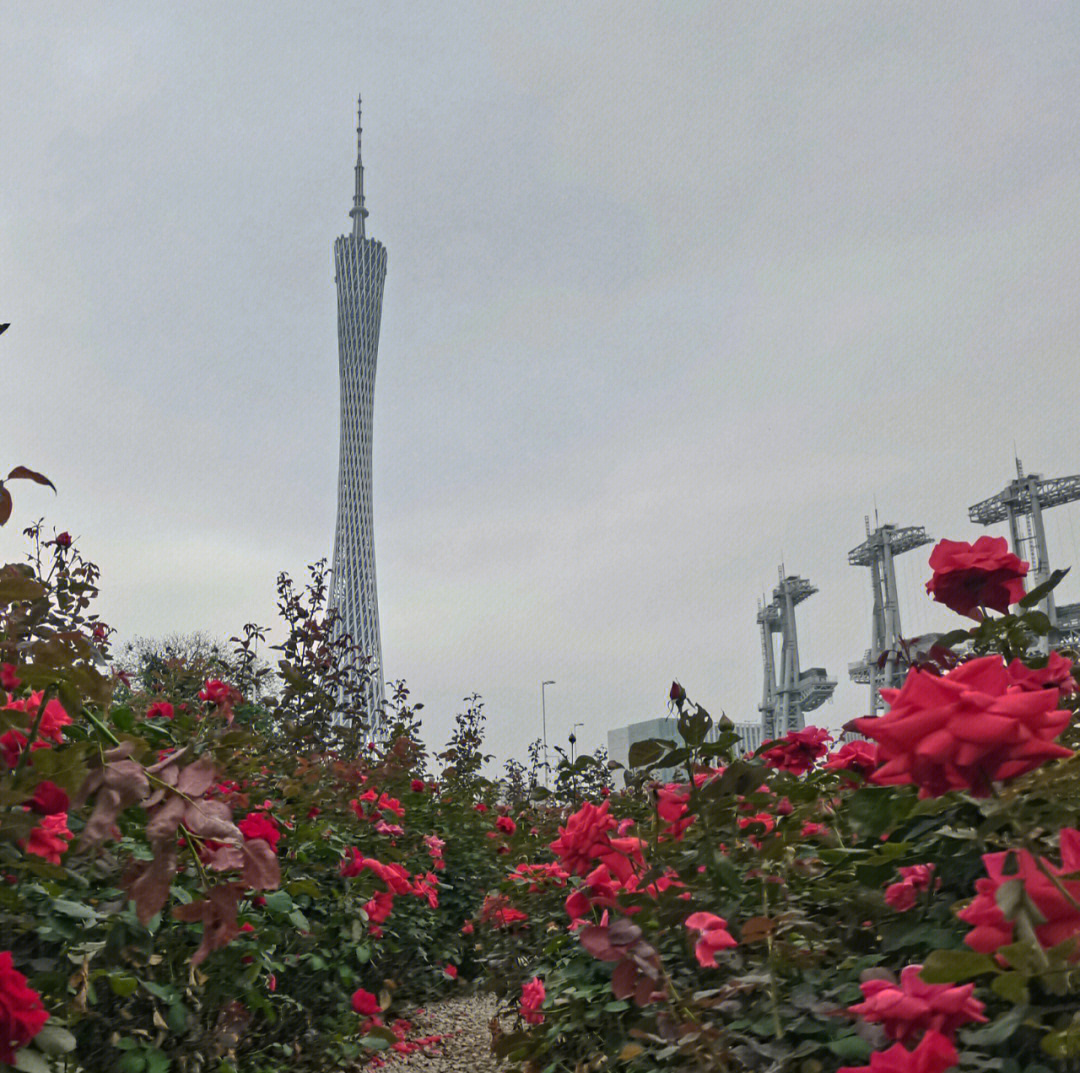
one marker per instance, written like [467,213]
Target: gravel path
[464,1021]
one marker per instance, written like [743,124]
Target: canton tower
[360,269]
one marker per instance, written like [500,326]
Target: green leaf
[950,966]
[280,901]
[644,753]
[157,1061]
[1011,986]
[28,1061]
[55,1039]
[1037,593]
[76,910]
[999,1030]
[850,1047]
[122,984]
[178,1018]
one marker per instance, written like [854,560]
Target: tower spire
[358,212]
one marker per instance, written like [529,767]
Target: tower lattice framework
[789,692]
[1022,503]
[884,665]
[360,271]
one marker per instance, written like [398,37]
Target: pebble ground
[464,1021]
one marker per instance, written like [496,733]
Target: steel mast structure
[789,692]
[1022,503]
[360,270]
[884,663]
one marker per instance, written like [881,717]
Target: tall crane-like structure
[1022,503]
[789,692]
[884,664]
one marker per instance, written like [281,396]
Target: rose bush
[205,869]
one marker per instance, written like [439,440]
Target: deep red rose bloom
[259,825]
[417,786]
[214,691]
[902,896]
[467,928]
[48,799]
[934,1054]
[584,837]
[992,930]
[860,756]
[63,540]
[451,971]
[50,838]
[53,719]
[970,576]
[712,936]
[22,1016]
[12,742]
[797,750]
[963,730]
[8,679]
[1057,674]
[365,1003]
[160,709]
[912,1007]
[532,998]
[506,825]
[677,694]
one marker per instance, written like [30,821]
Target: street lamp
[543,707]
[573,739]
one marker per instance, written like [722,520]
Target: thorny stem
[101,727]
[189,841]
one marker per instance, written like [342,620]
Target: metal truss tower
[360,270]
[1022,504]
[789,691]
[884,663]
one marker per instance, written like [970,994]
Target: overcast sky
[675,291]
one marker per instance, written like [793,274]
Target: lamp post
[573,740]
[543,708]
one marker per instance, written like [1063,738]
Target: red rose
[214,691]
[963,730]
[902,896]
[797,750]
[63,540]
[934,1054]
[968,577]
[584,838]
[48,799]
[451,971]
[467,928]
[532,998]
[712,936]
[259,825]
[160,709]
[992,929]
[12,742]
[8,679]
[676,694]
[505,824]
[912,1007]
[1057,674]
[417,786]
[860,756]
[22,1016]
[365,1003]
[50,838]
